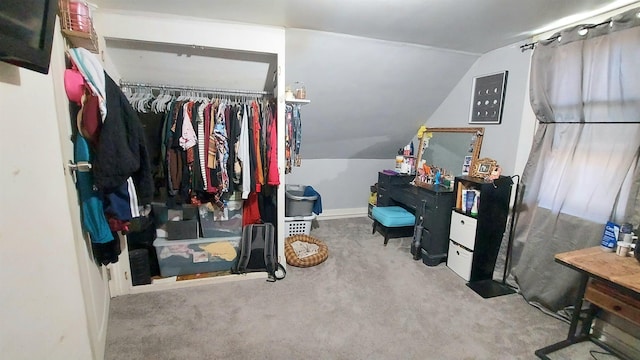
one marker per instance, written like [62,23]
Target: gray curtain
[583,167]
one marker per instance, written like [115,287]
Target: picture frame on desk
[482,168]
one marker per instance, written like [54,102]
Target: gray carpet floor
[367,301]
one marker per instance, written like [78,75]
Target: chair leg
[373,228]
[386,238]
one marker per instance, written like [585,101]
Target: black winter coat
[121,151]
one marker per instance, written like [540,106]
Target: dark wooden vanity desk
[432,204]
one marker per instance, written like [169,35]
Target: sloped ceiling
[374,69]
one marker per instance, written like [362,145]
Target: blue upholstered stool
[392,222]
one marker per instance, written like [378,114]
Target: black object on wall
[487,99]
[26,33]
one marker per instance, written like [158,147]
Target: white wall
[42,310]
[343,184]
[508,143]
[504,142]
[368,97]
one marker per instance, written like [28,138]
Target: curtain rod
[532,45]
[193,88]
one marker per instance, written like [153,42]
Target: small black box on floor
[140,269]
[183,229]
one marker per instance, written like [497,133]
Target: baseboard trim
[343,213]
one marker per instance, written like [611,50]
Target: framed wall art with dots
[487,98]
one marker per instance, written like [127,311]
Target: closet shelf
[298,101]
[81,39]
[76,24]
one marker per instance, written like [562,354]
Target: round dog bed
[315,259]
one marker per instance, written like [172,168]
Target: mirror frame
[478,131]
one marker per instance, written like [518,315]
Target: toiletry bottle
[474,207]
[470,200]
[464,201]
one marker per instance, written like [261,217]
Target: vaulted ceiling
[350,48]
[474,26]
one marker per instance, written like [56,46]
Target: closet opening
[198,213]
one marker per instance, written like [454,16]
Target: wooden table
[614,285]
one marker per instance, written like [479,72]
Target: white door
[93,276]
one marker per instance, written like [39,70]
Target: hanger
[142,103]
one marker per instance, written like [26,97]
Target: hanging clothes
[213,148]
[273,176]
[244,156]
[110,137]
[259,172]
[221,148]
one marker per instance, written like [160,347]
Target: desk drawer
[384,197]
[408,199]
[610,300]
[386,181]
[463,230]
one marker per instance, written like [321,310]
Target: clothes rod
[193,88]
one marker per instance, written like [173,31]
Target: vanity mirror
[449,149]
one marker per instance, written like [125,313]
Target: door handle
[82,166]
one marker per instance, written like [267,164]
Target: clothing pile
[118,186]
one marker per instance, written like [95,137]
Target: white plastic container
[194,256]
[298,225]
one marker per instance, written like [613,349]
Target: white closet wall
[47,307]
[243,38]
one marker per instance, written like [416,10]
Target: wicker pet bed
[294,260]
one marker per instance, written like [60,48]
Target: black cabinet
[435,212]
[385,184]
[431,205]
[475,236]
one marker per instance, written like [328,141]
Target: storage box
[459,260]
[296,204]
[183,229]
[298,225]
[194,256]
[160,213]
[226,222]
[176,223]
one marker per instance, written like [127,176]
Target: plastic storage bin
[296,204]
[194,256]
[221,223]
[298,225]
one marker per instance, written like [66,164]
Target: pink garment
[188,138]
[74,85]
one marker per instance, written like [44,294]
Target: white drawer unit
[463,230]
[459,260]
